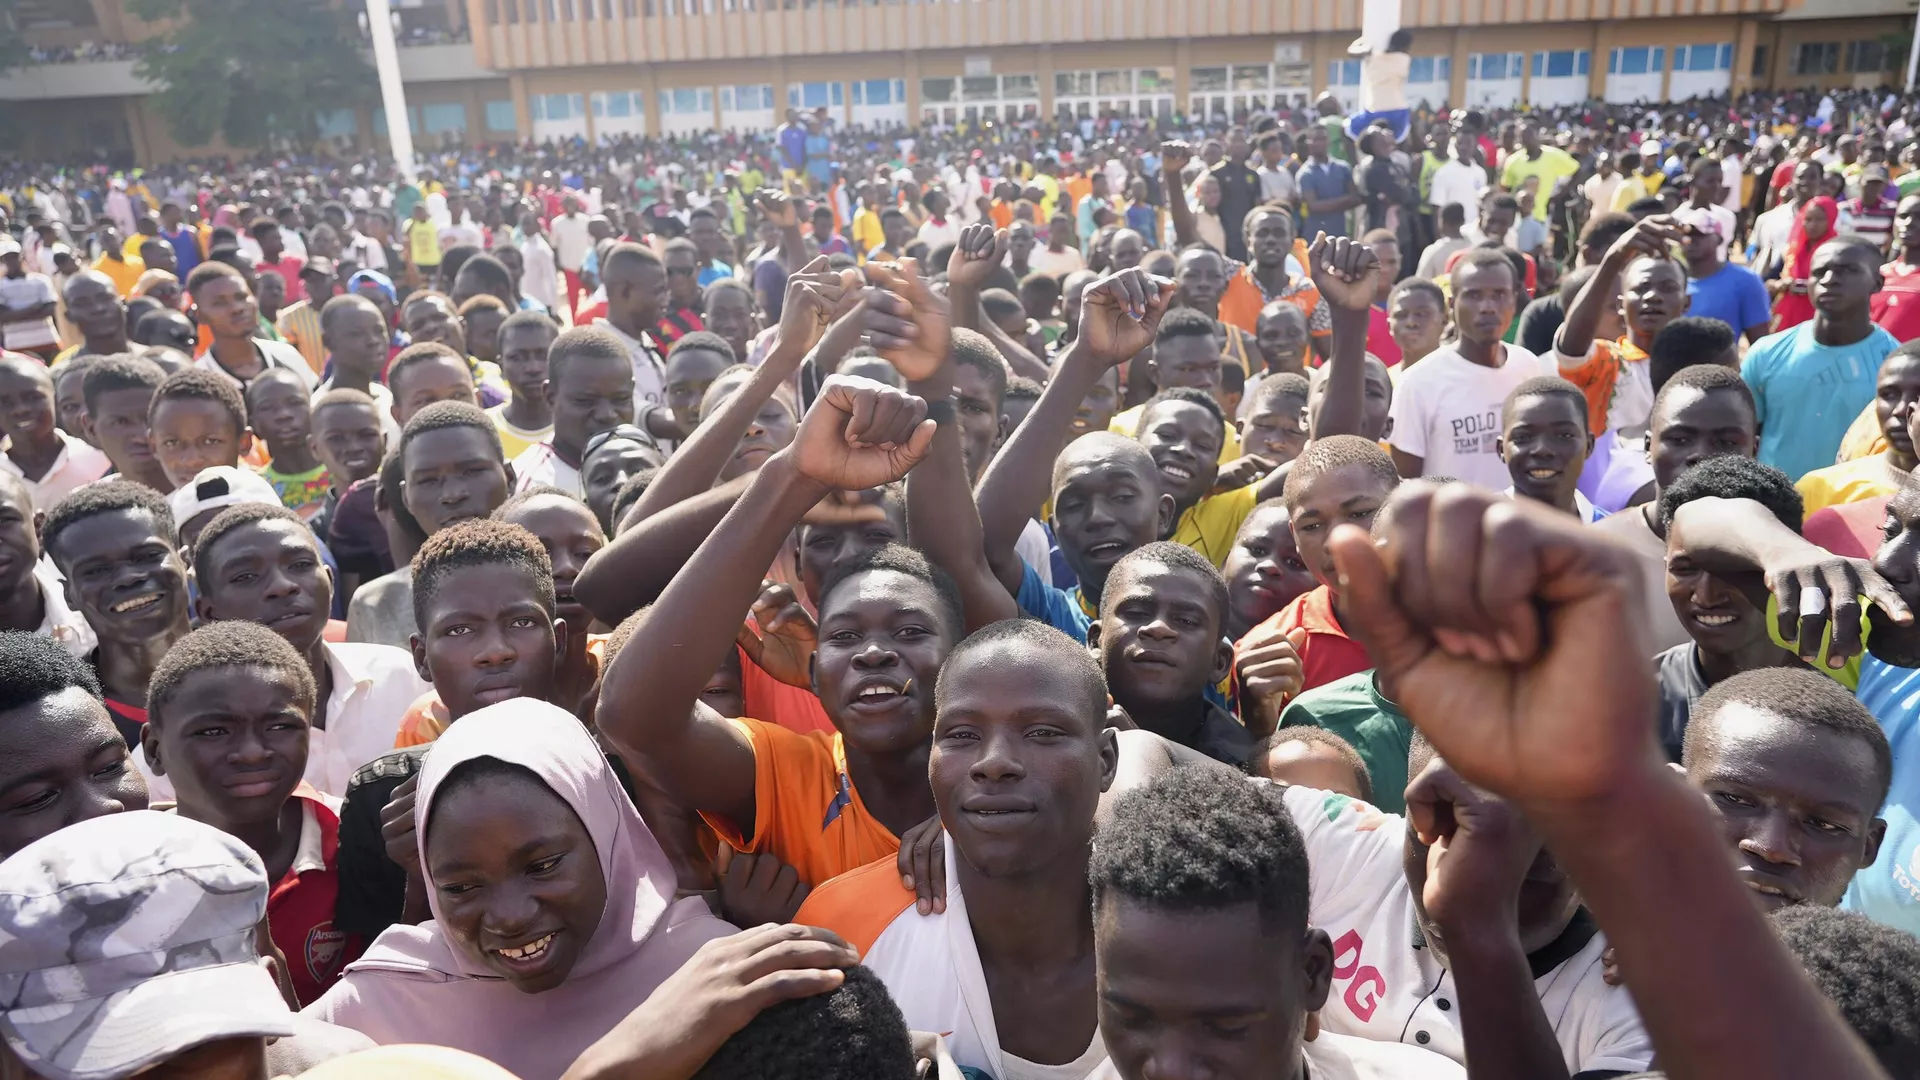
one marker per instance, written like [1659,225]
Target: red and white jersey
[1387,986]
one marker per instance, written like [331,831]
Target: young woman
[1793,303]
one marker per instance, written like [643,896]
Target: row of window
[513,11]
[445,118]
[747,97]
[1864,57]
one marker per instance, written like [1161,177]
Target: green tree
[252,71]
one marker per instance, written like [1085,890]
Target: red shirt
[1896,307]
[1380,336]
[1329,653]
[300,907]
[1852,530]
[289,268]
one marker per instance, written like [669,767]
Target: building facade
[481,70]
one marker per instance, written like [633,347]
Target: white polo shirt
[1446,411]
[61,622]
[277,353]
[77,463]
[1342,1057]
[930,965]
[1387,988]
[538,464]
[373,685]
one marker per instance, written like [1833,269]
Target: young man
[1867,970]
[1417,319]
[1810,381]
[114,542]
[1008,967]
[1312,757]
[1180,429]
[96,310]
[198,421]
[238,353]
[451,469]
[1446,410]
[692,364]
[32,594]
[260,564]
[1796,769]
[1545,442]
[1283,341]
[526,419]
[1717,289]
[590,389]
[1724,614]
[1206,954]
[637,297]
[423,374]
[47,461]
[63,760]
[1185,355]
[1274,418]
[230,710]
[1338,479]
[1264,571]
[571,535]
[349,443]
[1896,396]
[117,391]
[1652,292]
[1159,641]
[280,411]
[357,343]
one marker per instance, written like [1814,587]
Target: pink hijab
[415,986]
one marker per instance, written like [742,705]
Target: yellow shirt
[125,273]
[513,439]
[1847,482]
[1128,424]
[423,242]
[867,233]
[1210,525]
[1864,437]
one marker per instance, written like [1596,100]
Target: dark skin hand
[981,249]
[1346,272]
[1506,632]
[617,582]
[859,434]
[757,889]
[783,636]
[908,325]
[1118,317]
[1648,238]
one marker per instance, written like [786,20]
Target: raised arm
[778,206]
[1118,317]
[981,249]
[1600,293]
[1174,157]
[1344,271]
[859,434]
[1508,634]
[907,324]
[629,572]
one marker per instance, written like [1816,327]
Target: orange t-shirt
[791,707]
[1002,213]
[1240,305]
[805,809]
[859,905]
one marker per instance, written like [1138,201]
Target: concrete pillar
[137,131]
[1457,86]
[1043,74]
[1602,50]
[1746,38]
[1182,75]
[912,77]
[522,113]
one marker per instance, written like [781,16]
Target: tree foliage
[252,71]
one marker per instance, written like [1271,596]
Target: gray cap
[127,939]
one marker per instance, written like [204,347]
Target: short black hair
[1801,696]
[121,371]
[228,644]
[1707,378]
[1185,322]
[342,395]
[416,354]
[1190,396]
[1287,384]
[1480,257]
[723,285]
[531,492]
[1021,388]
[1031,637]
[704,339]
[208,270]
[105,496]
[1871,973]
[1603,229]
[591,341]
[478,542]
[226,521]
[901,559]
[34,666]
[630,492]
[1174,557]
[421,296]
[853,1032]
[1318,737]
[1419,285]
[520,319]
[1545,386]
[999,303]
[1681,343]
[199,384]
[484,301]
[389,484]
[451,414]
[1730,476]
[1196,839]
[970,348]
[493,273]
[1323,456]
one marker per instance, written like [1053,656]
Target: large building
[478,70]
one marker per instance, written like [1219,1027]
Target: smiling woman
[553,904]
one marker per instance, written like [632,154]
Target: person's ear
[562,633]
[393,410]
[1500,447]
[1876,832]
[1589,444]
[417,645]
[1222,661]
[1316,967]
[150,745]
[507,467]
[1093,639]
[203,609]
[813,672]
[1168,509]
[1109,757]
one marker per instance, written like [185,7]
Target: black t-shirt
[1682,684]
[1539,323]
[1239,193]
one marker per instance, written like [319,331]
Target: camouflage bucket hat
[128,939]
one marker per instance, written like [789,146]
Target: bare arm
[1409,466]
[963,297]
[1344,271]
[1174,157]
[1600,293]
[630,572]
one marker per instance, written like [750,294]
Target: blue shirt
[1324,180]
[1734,294]
[1889,890]
[1057,608]
[1809,393]
[186,250]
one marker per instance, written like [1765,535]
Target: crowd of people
[1324,594]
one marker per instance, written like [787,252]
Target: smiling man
[1545,442]
[1796,770]
[48,461]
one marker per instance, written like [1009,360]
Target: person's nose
[1770,839]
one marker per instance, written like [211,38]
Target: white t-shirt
[29,290]
[538,465]
[938,234]
[1446,411]
[1056,264]
[1343,1057]
[571,240]
[1389,988]
[1457,182]
[1383,81]
[1599,191]
[78,462]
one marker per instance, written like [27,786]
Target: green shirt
[1353,709]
